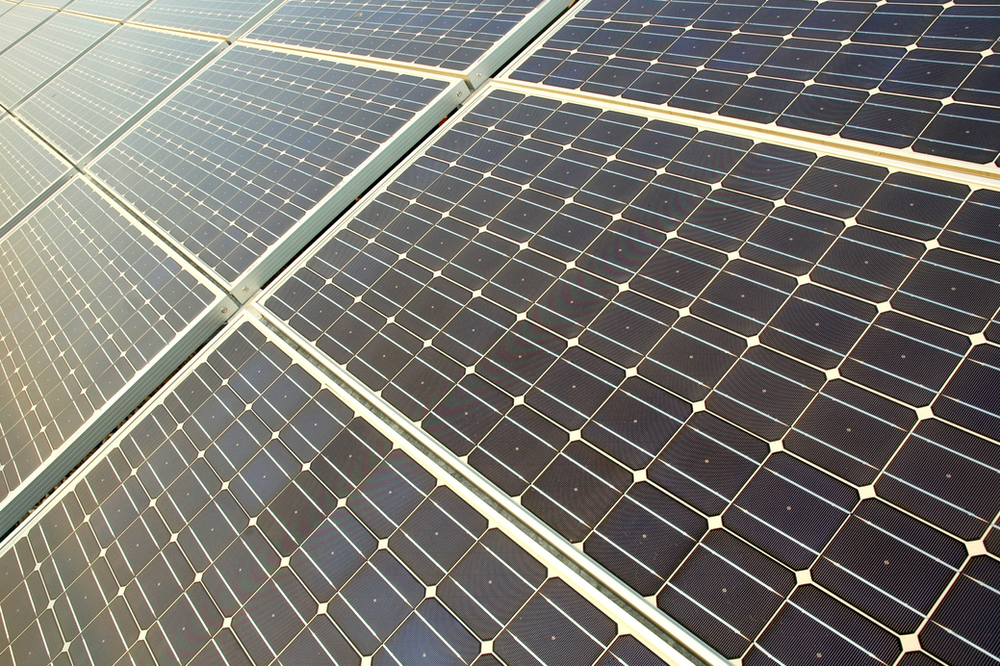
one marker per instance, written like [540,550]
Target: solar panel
[6,7]
[113,9]
[92,102]
[918,76]
[96,314]
[32,61]
[28,171]
[250,514]
[250,159]
[54,4]
[469,36]
[19,21]
[737,375]
[217,18]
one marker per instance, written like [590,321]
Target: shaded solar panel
[19,21]
[96,314]
[250,515]
[33,60]
[263,148]
[900,75]
[698,357]
[115,9]
[222,18]
[469,36]
[28,169]
[93,100]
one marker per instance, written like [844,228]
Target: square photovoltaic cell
[91,304]
[433,33]
[900,75]
[18,21]
[222,18]
[33,60]
[28,168]
[114,9]
[241,514]
[98,95]
[636,329]
[248,149]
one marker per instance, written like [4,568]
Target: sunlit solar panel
[96,313]
[892,74]
[469,36]
[222,18]
[32,61]
[249,515]
[711,363]
[114,9]
[242,174]
[93,100]
[28,170]
[19,21]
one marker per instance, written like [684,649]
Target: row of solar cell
[893,75]
[251,515]
[608,317]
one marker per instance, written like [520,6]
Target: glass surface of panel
[697,357]
[113,9]
[918,76]
[227,168]
[19,21]
[27,169]
[223,18]
[33,60]
[250,515]
[91,100]
[90,304]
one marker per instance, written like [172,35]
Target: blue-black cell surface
[634,327]
[900,75]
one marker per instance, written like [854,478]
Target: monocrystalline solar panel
[113,9]
[19,21]
[35,59]
[737,375]
[918,76]
[218,18]
[250,159]
[94,100]
[250,514]
[470,36]
[28,170]
[96,314]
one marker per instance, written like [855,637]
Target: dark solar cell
[850,432]
[964,400]
[913,206]
[812,623]
[692,358]
[708,462]
[726,591]
[790,510]
[973,229]
[765,392]
[963,132]
[904,358]
[576,491]
[645,537]
[952,289]
[870,562]
[953,633]
[868,263]
[249,196]
[574,631]
[818,326]
[743,297]
[935,475]
[891,120]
